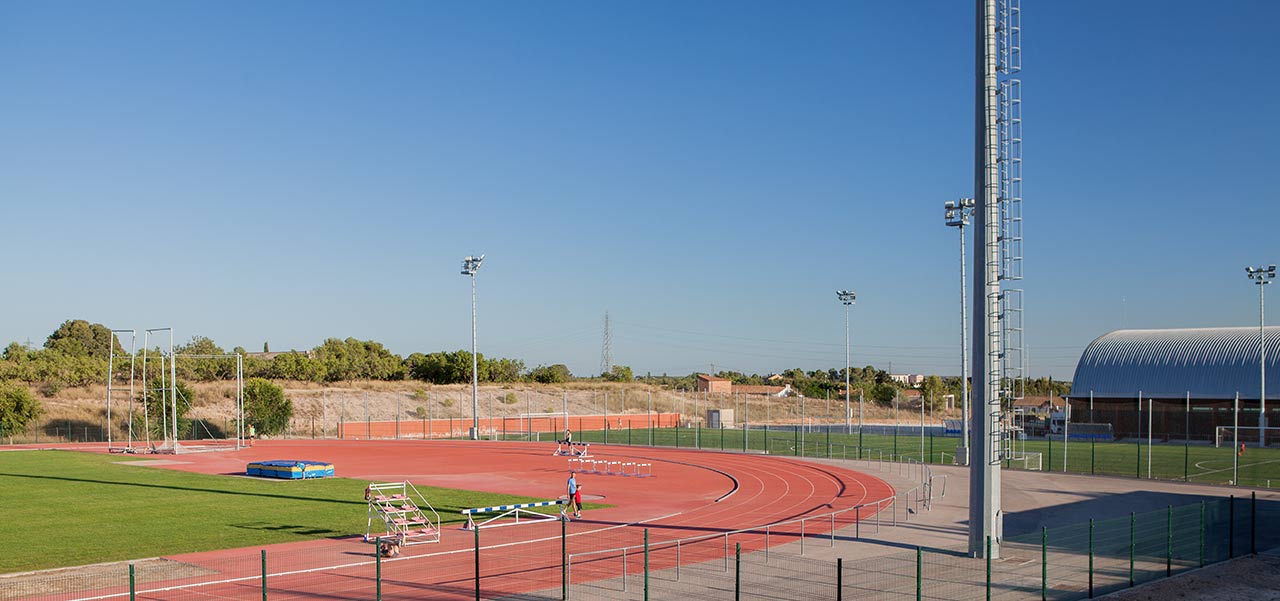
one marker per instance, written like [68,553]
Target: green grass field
[1169,461]
[64,508]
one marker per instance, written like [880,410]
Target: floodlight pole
[957,214]
[847,297]
[985,512]
[469,267]
[1262,276]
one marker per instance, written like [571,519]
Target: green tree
[504,370]
[293,366]
[266,347]
[266,407]
[195,363]
[18,409]
[351,359]
[79,338]
[551,374]
[883,393]
[932,391]
[619,373]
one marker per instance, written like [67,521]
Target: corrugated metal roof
[1210,363]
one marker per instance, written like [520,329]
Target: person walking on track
[575,495]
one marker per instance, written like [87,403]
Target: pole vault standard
[172,388]
[111,356]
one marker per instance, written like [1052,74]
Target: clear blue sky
[709,173]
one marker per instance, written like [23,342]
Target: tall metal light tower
[997,325]
[957,216]
[1262,277]
[847,297]
[470,266]
[606,348]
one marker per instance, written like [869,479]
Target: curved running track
[678,502]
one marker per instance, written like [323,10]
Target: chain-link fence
[797,559]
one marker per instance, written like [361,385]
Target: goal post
[1225,435]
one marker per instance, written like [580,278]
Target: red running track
[686,497]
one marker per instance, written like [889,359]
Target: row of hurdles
[610,467]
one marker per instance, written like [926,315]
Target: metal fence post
[1168,544]
[1090,558]
[839,579]
[476,552]
[857,522]
[1044,563]
[377,562]
[919,588]
[677,559]
[132,585]
[1231,527]
[1132,522]
[988,568]
[646,564]
[1253,523]
[564,558]
[264,575]
[737,572]
[1202,503]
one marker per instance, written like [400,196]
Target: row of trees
[76,354]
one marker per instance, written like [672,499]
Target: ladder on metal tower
[1010,368]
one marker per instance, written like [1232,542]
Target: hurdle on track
[514,510]
[573,449]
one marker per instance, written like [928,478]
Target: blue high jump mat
[290,469]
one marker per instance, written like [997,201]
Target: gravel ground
[1255,578]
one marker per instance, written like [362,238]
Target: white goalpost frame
[1221,433]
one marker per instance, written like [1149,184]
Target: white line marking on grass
[1240,466]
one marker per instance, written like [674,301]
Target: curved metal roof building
[1208,363]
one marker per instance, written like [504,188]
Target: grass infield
[64,508]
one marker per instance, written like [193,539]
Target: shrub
[17,408]
[266,407]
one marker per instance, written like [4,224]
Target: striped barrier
[508,510]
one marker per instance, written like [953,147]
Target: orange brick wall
[445,428]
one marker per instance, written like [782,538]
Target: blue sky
[708,173]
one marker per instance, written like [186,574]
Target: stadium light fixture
[1262,276]
[470,266]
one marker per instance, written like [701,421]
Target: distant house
[714,385]
[911,380]
[1036,405]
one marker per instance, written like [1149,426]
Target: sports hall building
[1178,382]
